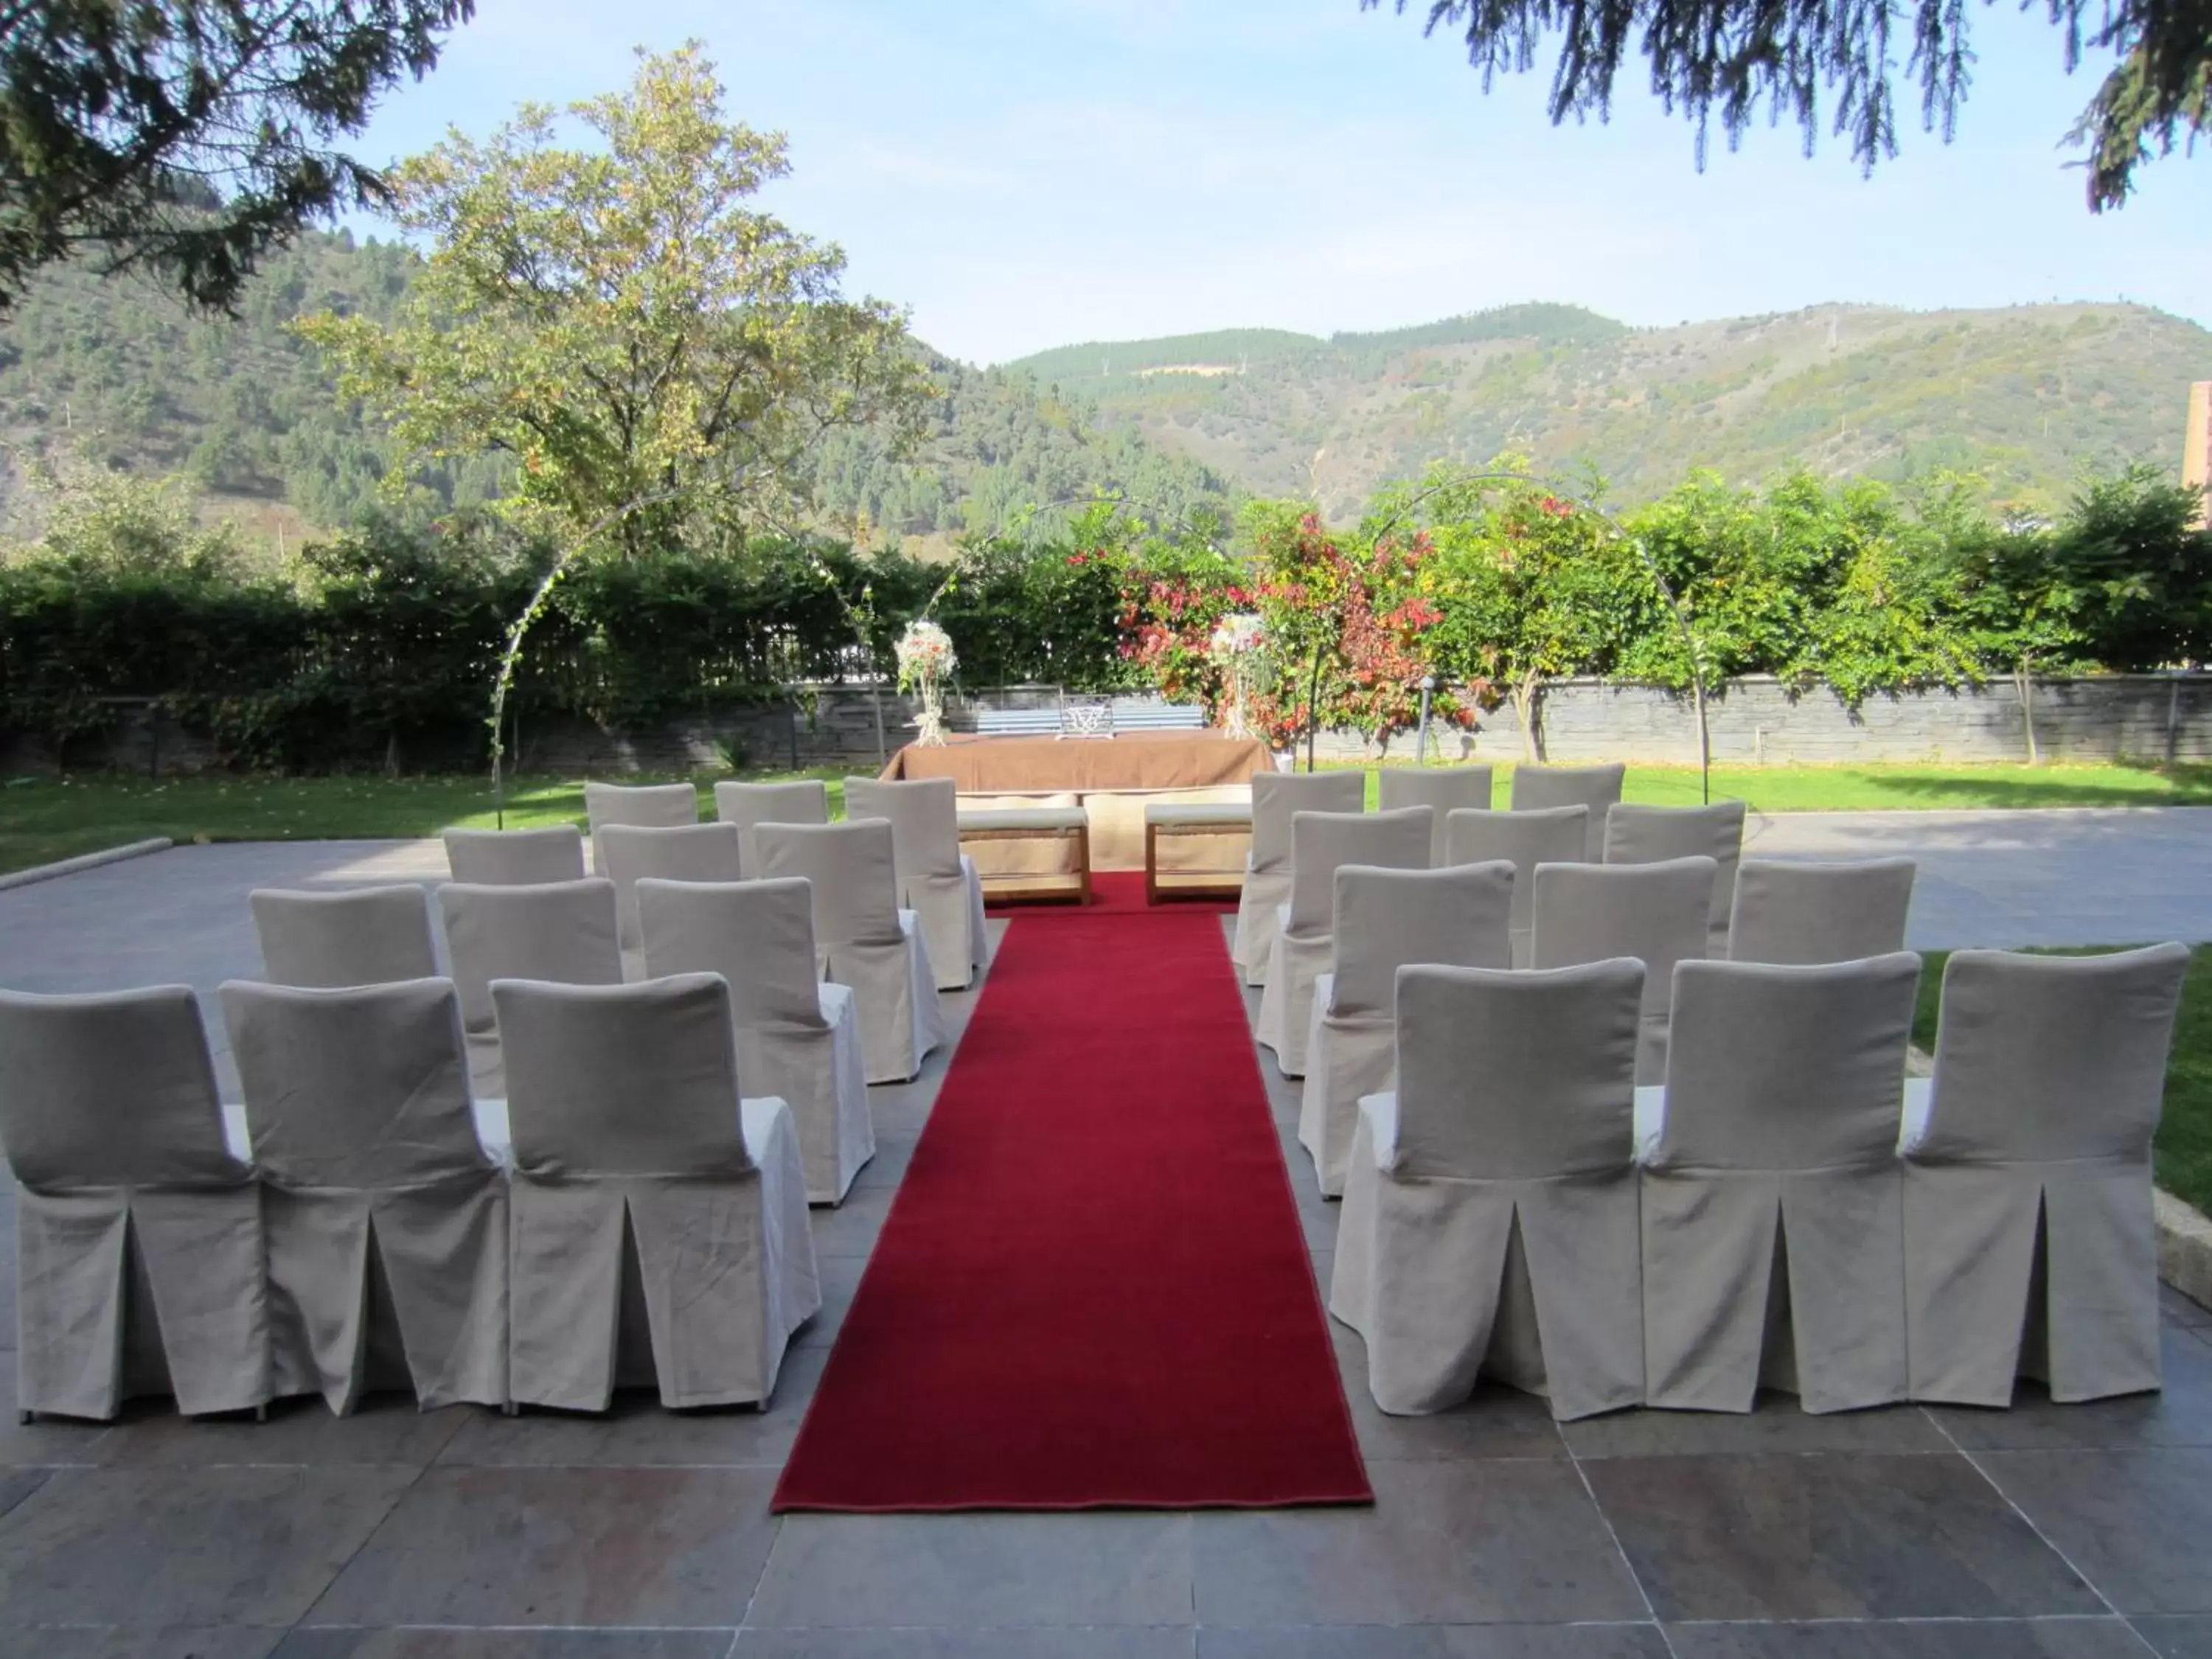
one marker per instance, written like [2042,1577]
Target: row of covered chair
[599,930]
[936,880]
[1444,789]
[624,1214]
[1787,1211]
[1381,919]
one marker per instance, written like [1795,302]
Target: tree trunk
[2027,686]
[1524,709]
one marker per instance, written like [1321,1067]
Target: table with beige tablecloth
[1111,778]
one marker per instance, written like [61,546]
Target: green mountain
[2024,395]
[114,371]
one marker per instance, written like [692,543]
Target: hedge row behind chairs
[155,1258]
[1781,1214]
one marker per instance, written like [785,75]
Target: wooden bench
[1167,818]
[1031,823]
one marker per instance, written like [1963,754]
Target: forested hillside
[2026,396]
[115,372]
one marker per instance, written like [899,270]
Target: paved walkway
[2043,1533]
[2087,877]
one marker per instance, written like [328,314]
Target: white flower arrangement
[1237,635]
[925,653]
[926,656]
[1236,640]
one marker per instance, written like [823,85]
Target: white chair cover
[1655,913]
[798,1038]
[1810,913]
[516,858]
[2028,1192]
[1653,835]
[1275,797]
[690,852]
[139,1266]
[1778,1144]
[936,881]
[1446,789]
[367,936]
[1553,835]
[634,1160]
[650,805]
[386,1225]
[653,805]
[1322,842]
[1387,919]
[556,930]
[803,801]
[1489,1208]
[1597,788]
[865,941]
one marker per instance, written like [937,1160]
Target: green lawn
[42,819]
[2185,1136]
[1911,788]
[45,818]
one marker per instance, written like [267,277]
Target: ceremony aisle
[1092,1291]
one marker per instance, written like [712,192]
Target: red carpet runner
[1092,1291]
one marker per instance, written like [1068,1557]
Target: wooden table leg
[1083,863]
[1151,864]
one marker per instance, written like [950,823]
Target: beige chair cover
[1387,919]
[139,1266]
[803,801]
[386,1225]
[1779,1145]
[1447,789]
[367,936]
[798,1038]
[690,852]
[1322,842]
[643,1186]
[1652,834]
[1489,1206]
[1655,913]
[653,805]
[1597,788]
[865,941]
[650,805]
[1275,797]
[936,881]
[2027,1192]
[1809,913]
[555,930]
[516,858]
[1555,834]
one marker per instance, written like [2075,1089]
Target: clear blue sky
[1026,173]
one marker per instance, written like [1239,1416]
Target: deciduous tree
[658,355]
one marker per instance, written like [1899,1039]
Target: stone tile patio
[2072,1533]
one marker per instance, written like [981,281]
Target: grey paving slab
[1438,1642]
[561,1547]
[2090,1637]
[966,1571]
[159,1547]
[1824,1536]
